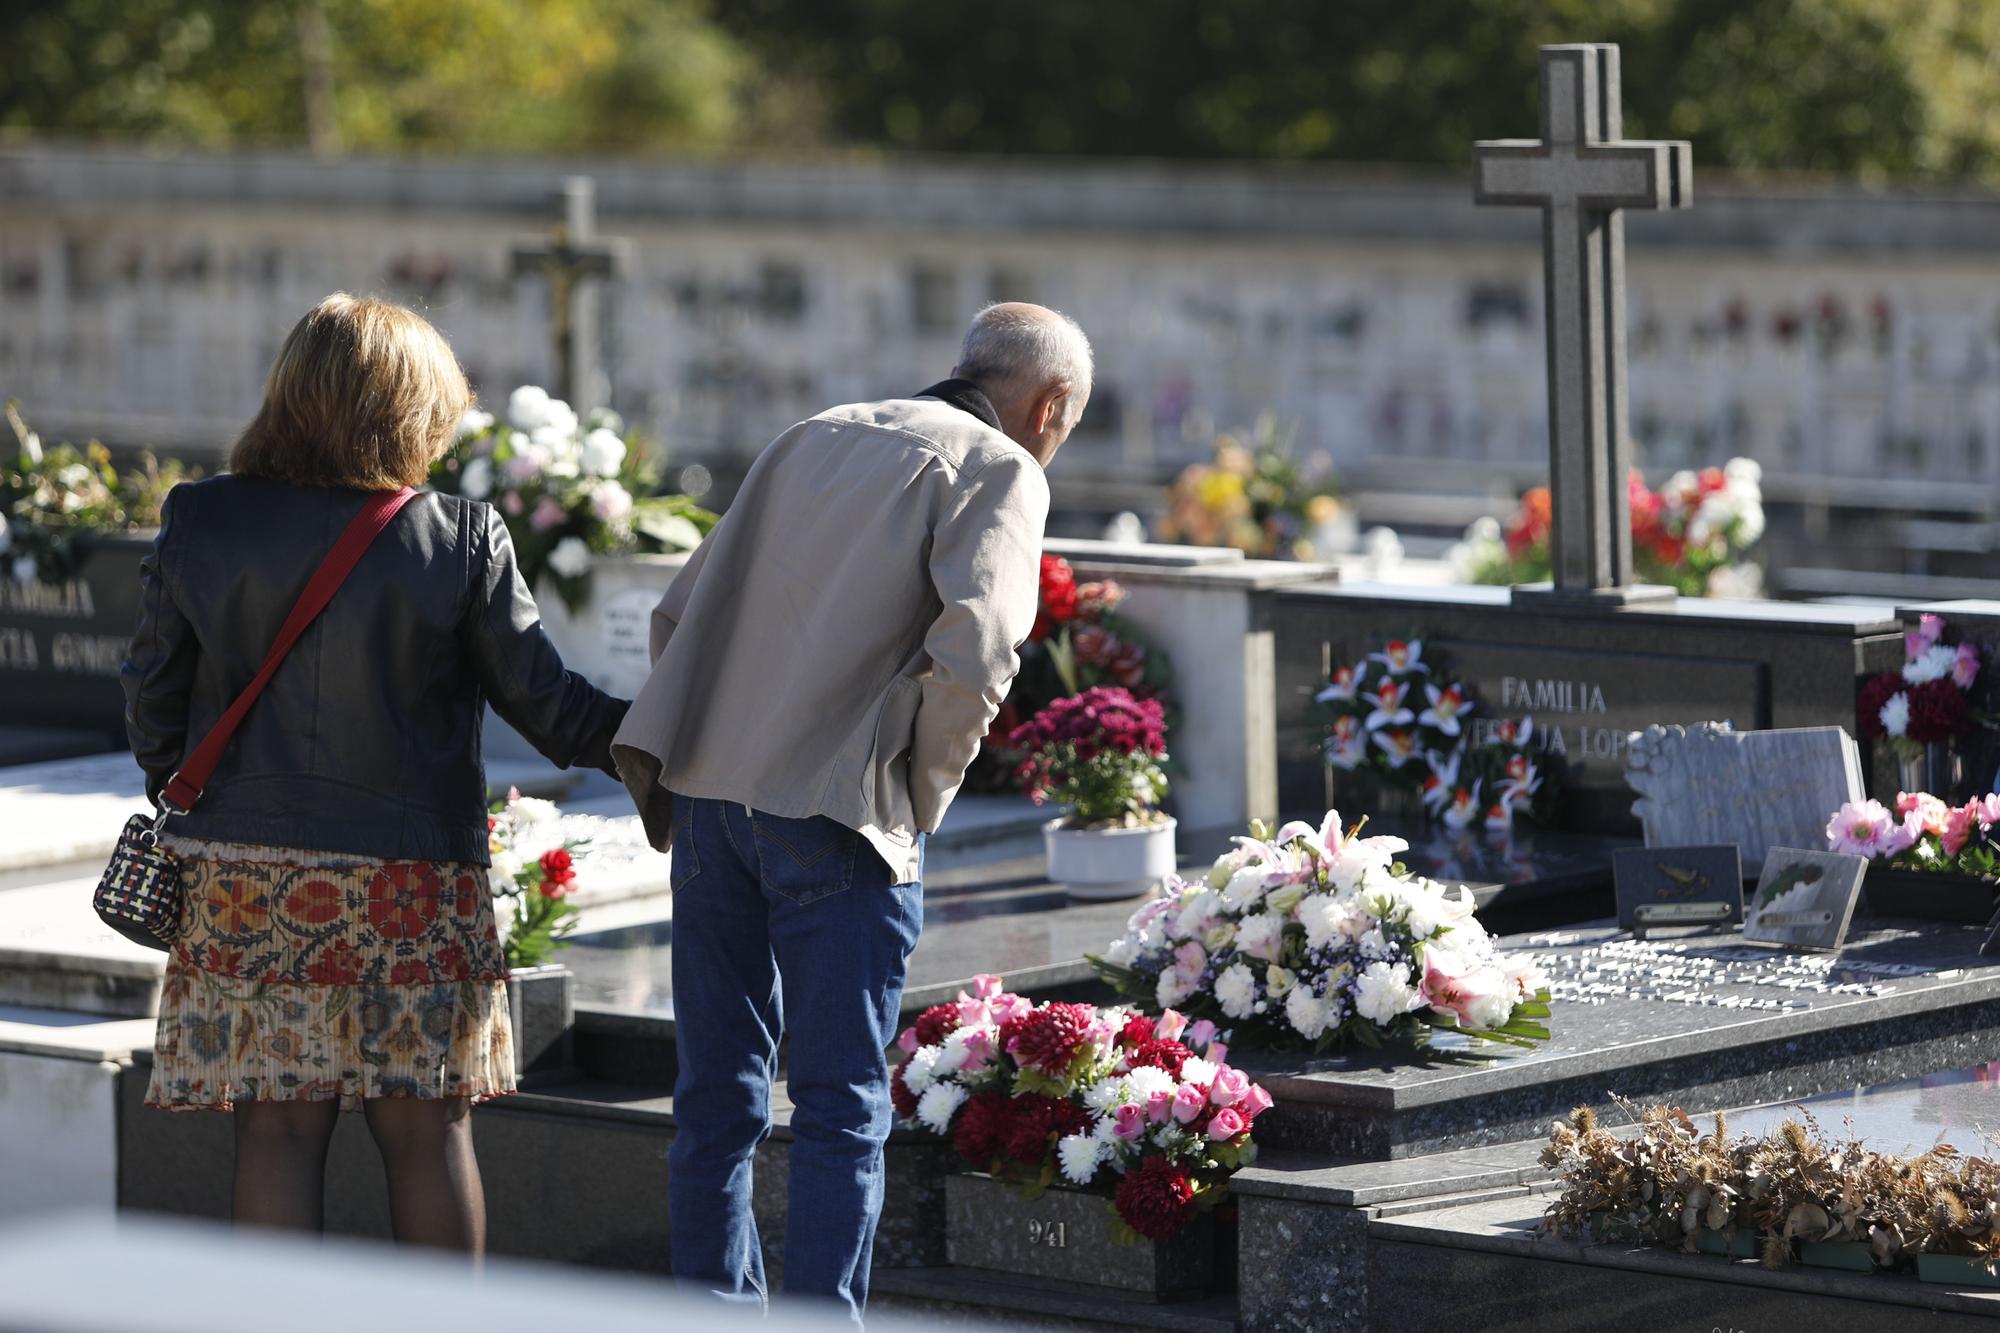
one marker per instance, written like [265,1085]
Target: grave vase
[1071,1236]
[1099,865]
[1937,769]
[1929,895]
[541,1002]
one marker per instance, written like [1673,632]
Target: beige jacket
[843,639]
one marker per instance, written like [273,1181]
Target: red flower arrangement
[1155,1200]
[1079,641]
[538,881]
[1929,700]
[1099,753]
[1146,1110]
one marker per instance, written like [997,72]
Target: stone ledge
[986,1292]
[1308,1177]
[1503,1228]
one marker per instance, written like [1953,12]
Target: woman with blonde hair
[337,943]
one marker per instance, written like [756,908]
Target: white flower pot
[1103,864]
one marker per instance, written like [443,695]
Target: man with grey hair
[824,668]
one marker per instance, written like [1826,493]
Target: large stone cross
[1580,174]
[573,259]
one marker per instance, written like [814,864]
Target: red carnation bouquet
[1100,753]
[1929,700]
[534,867]
[1147,1110]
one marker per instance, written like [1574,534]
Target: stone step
[1005,1301]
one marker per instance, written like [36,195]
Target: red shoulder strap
[184,788]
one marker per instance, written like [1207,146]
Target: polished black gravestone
[1588,676]
[61,645]
[1701,1020]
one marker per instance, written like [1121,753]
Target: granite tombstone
[1710,783]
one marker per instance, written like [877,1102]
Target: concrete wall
[1837,335]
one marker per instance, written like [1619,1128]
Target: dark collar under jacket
[966,397]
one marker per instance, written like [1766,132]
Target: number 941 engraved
[1055,1235]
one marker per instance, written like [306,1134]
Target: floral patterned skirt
[309,976]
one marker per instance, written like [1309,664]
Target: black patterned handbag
[140,894]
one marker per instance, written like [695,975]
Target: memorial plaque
[627,620]
[1678,886]
[61,644]
[1758,789]
[1585,705]
[1804,899]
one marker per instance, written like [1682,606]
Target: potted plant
[534,870]
[570,490]
[1928,859]
[1079,640]
[1098,1141]
[1100,753]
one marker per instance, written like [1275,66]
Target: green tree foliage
[469,75]
[1877,88]
[1870,87]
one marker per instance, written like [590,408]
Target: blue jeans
[782,926]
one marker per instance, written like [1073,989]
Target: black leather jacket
[367,739]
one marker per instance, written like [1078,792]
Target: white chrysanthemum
[1245,889]
[1104,1094]
[1320,914]
[1382,992]
[1146,1080]
[1172,990]
[937,1106]
[1896,716]
[1307,1013]
[506,867]
[1262,936]
[528,408]
[571,558]
[1194,915]
[1373,942]
[1079,1155]
[476,482]
[1236,991]
[1194,1069]
[1425,908]
[603,453]
[1934,663]
[950,1056]
[920,1070]
[473,422]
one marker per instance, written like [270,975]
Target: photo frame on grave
[1804,899]
[1678,886]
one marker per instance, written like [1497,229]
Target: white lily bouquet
[1310,938]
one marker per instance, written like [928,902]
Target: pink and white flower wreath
[1314,937]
